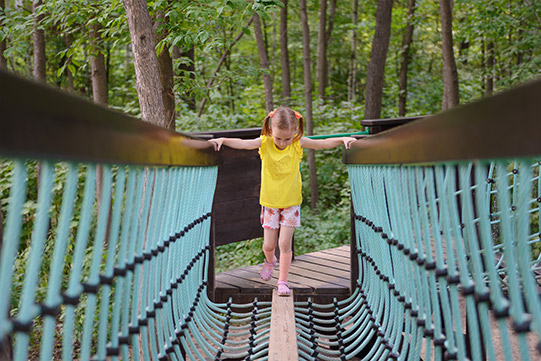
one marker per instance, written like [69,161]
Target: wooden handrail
[38,121]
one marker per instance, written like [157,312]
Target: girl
[280,148]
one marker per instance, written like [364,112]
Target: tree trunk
[520,52]
[314,191]
[451,96]
[70,87]
[38,36]
[99,89]
[353,55]
[145,61]
[165,66]
[264,61]
[220,63]
[324,35]
[406,45]
[3,61]
[6,343]
[321,49]
[489,80]
[231,88]
[274,42]
[39,67]
[376,68]
[97,66]
[328,34]
[284,56]
[187,71]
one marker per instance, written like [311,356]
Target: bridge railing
[105,226]
[446,235]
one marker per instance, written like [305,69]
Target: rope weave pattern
[122,276]
[449,267]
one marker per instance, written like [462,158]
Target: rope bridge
[448,257]
[105,253]
[446,229]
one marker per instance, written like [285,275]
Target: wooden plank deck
[320,275]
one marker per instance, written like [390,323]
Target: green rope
[447,262]
[448,265]
[338,135]
[128,273]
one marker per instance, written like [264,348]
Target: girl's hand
[347,141]
[217,143]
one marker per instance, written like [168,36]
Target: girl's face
[282,137]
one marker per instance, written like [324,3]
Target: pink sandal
[266,271]
[283,288]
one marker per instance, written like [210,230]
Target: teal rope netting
[449,261]
[124,276]
[450,267]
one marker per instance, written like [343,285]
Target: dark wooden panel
[237,191]
[236,211]
[239,167]
[379,125]
[236,201]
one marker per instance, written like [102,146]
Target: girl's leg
[286,235]
[269,243]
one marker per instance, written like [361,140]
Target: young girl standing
[280,148]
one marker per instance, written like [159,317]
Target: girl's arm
[326,143]
[236,143]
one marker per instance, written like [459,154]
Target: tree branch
[220,63]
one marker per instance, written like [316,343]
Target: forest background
[214,65]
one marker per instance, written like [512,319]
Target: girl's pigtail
[266,126]
[300,132]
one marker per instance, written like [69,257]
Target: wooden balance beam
[283,336]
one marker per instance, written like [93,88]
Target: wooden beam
[283,335]
[39,121]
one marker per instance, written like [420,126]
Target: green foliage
[237,255]
[210,28]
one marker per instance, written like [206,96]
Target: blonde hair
[284,118]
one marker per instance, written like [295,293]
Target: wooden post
[283,335]
[354,264]
[211,264]
[5,344]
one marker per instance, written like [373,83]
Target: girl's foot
[266,271]
[283,288]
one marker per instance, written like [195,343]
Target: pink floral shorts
[272,218]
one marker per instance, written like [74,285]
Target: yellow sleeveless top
[281,183]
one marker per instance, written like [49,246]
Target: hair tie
[297,114]
[271,113]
